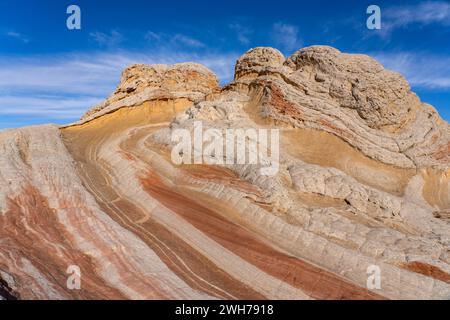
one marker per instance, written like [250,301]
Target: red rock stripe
[31,209]
[427,270]
[315,282]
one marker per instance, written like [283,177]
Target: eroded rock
[363,180]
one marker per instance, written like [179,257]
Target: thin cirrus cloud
[173,40]
[422,70]
[414,15]
[56,106]
[18,36]
[62,87]
[286,36]
[423,13]
[111,39]
[243,33]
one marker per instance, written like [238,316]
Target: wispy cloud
[414,15]
[191,42]
[286,36]
[422,70]
[243,33]
[111,39]
[154,36]
[423,13]
[56,107]
[64,86]
[17,36]
[178,40]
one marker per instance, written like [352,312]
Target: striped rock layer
[363,182]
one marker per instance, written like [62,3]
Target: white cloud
[107,40]
[416,15]
[286,36]
[54,106]
[422,70]
[18,36]
[174,40]
[242,32]
[423,13]
[191,42]
[65,86]
[153,36]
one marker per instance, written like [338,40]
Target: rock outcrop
[362,182]
[142,82]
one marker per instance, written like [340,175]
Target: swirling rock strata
[363,181]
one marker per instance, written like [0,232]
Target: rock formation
[363,181]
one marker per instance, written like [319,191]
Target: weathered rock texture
[364,179]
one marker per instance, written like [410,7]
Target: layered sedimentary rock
[363,180]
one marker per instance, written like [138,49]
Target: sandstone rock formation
[363,180]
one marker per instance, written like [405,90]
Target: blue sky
[51,74]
